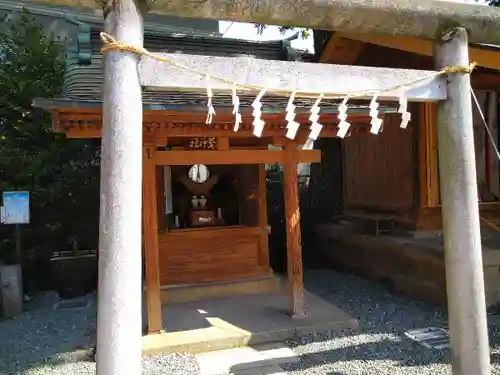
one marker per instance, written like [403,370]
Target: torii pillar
[460,205]
[119,323]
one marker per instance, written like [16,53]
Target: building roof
[83,85]
[84,73]
[80,29]
[56,17]
[83,77]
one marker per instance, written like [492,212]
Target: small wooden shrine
[204,186]
[204,196]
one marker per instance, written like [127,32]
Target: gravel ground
[32,344]
[380,346]
[44,341]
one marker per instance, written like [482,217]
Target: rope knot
[110,44]
[461,69]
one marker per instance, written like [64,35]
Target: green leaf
[63,183]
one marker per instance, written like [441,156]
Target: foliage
[60,174]
[304,33]
[495,3]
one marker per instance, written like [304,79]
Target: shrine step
[371,224]
[196,292]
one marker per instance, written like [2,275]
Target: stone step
[195,292]
[370,223]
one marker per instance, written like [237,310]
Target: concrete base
[237,321]
[196,292]
[412,262]
[11,290]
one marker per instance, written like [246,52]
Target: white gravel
[380,346]
[171,364]
[32,344]
[44,341]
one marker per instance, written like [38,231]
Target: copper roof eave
[68,104]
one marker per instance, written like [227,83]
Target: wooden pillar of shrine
[293,237]
[427,151]
[151,246]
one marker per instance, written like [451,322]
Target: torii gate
[452,25]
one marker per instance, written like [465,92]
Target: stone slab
[188,293]
[224,361]
[233,322]
[267,370]
[242,360]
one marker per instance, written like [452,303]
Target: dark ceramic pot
[75,272]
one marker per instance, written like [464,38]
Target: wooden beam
[262,196]
[82,123]
[210,157]
[408,44]
[422,157]
[85,133]
[484,57]
[425,18]
[432,155]
[484,81]
[160,135]
[428,164]
[161,141]
[340,50]
[161,190]
[223,117]
[222,143]
[293,236]
[310,78]
[492,161]
[151,245]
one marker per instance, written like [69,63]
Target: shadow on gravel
[44,336]
[384,316]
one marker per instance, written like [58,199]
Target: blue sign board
[16,207]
